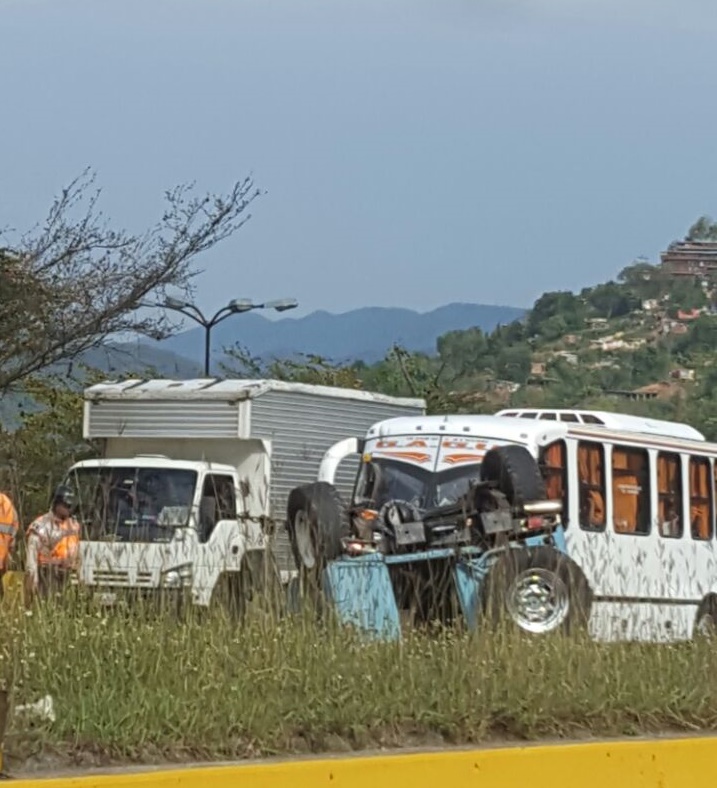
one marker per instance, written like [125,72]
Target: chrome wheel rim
[304,544]
[538,601]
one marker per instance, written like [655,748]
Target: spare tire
[536,590]
[317,520]
[515,472]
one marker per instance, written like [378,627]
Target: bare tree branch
[73,281]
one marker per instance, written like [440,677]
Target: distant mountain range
[362,334]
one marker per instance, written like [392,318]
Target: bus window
[630,490]
[669,494]
[700,498]
[591,478]
[553,463]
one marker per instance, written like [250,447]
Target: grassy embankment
[152,689]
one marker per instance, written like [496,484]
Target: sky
[413,152]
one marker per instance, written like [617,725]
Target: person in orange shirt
[9,525]
[53,546]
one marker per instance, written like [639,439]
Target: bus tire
[515,472]
[536,590]
[317,520]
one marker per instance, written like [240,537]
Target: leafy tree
[463,352]
[612,300]
[73,281]
[649,364]
[704,229]
[34,457]
[702,337]
[513,363]
[564,304]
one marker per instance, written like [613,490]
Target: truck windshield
[384,480]
[133,504]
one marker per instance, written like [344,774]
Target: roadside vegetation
[148,689]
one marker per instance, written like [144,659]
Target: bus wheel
[538,591]
[515,472]
[706,623]
[317,522]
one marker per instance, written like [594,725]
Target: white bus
[639,514]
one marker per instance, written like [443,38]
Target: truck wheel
[317,521]
[230,595]
[536,590]
[262,581]
[516,473]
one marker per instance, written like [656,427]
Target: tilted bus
[638,503]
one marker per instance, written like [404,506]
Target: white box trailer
[194,475]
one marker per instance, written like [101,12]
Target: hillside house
[537,369]
[673,327]
[606,344]
[690,258]
[660,390]
[682,374]
[690,314]
[604,365]
[566,355]
[650,304]
[571,339]
[505,386]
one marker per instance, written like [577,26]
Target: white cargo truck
[192,483]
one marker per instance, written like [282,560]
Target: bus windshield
[383,480]
[133,504]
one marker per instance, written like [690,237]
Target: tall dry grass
[141,686]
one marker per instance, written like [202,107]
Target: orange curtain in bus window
[626,490]
[669,504]
[700,498]
[592,481]
[554,464]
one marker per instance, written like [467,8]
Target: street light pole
[235,307]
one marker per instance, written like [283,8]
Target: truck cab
[151,522]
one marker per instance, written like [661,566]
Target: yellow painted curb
[676,763]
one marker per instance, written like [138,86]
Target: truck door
[218,502]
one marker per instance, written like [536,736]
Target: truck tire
[230,596]
[516,473]
[538,591]
[317,522]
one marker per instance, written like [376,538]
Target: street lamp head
[175,303]
[241,305]
[282,304]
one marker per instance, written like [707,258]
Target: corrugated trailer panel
[148,418]
[301,428]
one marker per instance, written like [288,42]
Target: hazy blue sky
[415,152]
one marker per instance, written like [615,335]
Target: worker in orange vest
[53,546]
[8,533]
